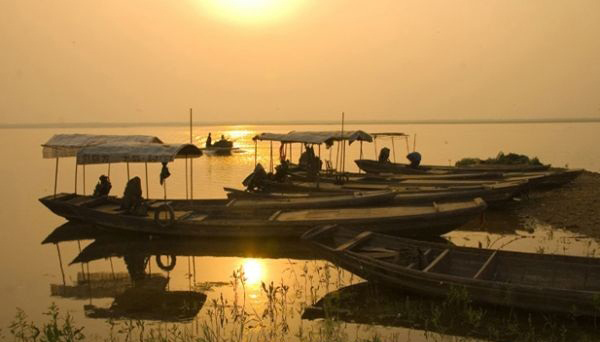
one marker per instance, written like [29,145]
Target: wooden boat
[219,150]
[177,218]
[553,283]
[374,166]
[493,194]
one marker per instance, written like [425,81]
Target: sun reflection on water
[254,271]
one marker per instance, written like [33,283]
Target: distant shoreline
[299,123]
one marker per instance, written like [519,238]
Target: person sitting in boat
[384,155]
[254,181]
[414,158]
[103,187]
[209,140]
[132,201]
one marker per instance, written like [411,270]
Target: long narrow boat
[493,194]
[178,218]
[374,166]
[553,283]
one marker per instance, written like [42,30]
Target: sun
[251,11]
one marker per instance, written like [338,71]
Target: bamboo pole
[55,177]
[343,145]
[407,144]
[128,171]
[147,192]
[109,170]
[394,149]
[76,167]
[62,270]
[415,142]
[82,270]
[191,162]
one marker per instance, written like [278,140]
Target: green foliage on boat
[501,159]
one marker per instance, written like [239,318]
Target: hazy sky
[151,60]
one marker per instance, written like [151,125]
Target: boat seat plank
[195,218]
[436,260]
[357,239]
[413,264]
[485,265]
[181,215]
[155,205]
[274,216]
[313,233]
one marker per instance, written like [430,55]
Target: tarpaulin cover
[315,137]
[67,145]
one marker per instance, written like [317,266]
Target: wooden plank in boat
[436,260]
[413,264]
[182,214]
[109,208]
[362,237]
[274,216]
[313,233]
[485,265]
[196,218]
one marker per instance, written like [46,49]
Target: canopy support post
[55,177]
[108,170]
[271,157]
[128,171]
[375,148]
[255,152]
[187,196]
[147,193]
[361,155]
[76,167]
[407,145]
[83,179]
[415,142]
[394,149]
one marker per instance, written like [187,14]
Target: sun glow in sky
[251,11]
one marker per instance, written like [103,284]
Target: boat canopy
[389,134]
[315,137]
[136,153]
[67,145]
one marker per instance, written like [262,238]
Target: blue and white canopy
[136,153]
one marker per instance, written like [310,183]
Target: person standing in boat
[209,140]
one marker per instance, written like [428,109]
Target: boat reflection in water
[141,294]
[456,315]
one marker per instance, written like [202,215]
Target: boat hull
[407,221]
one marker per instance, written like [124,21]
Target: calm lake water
[29,268]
